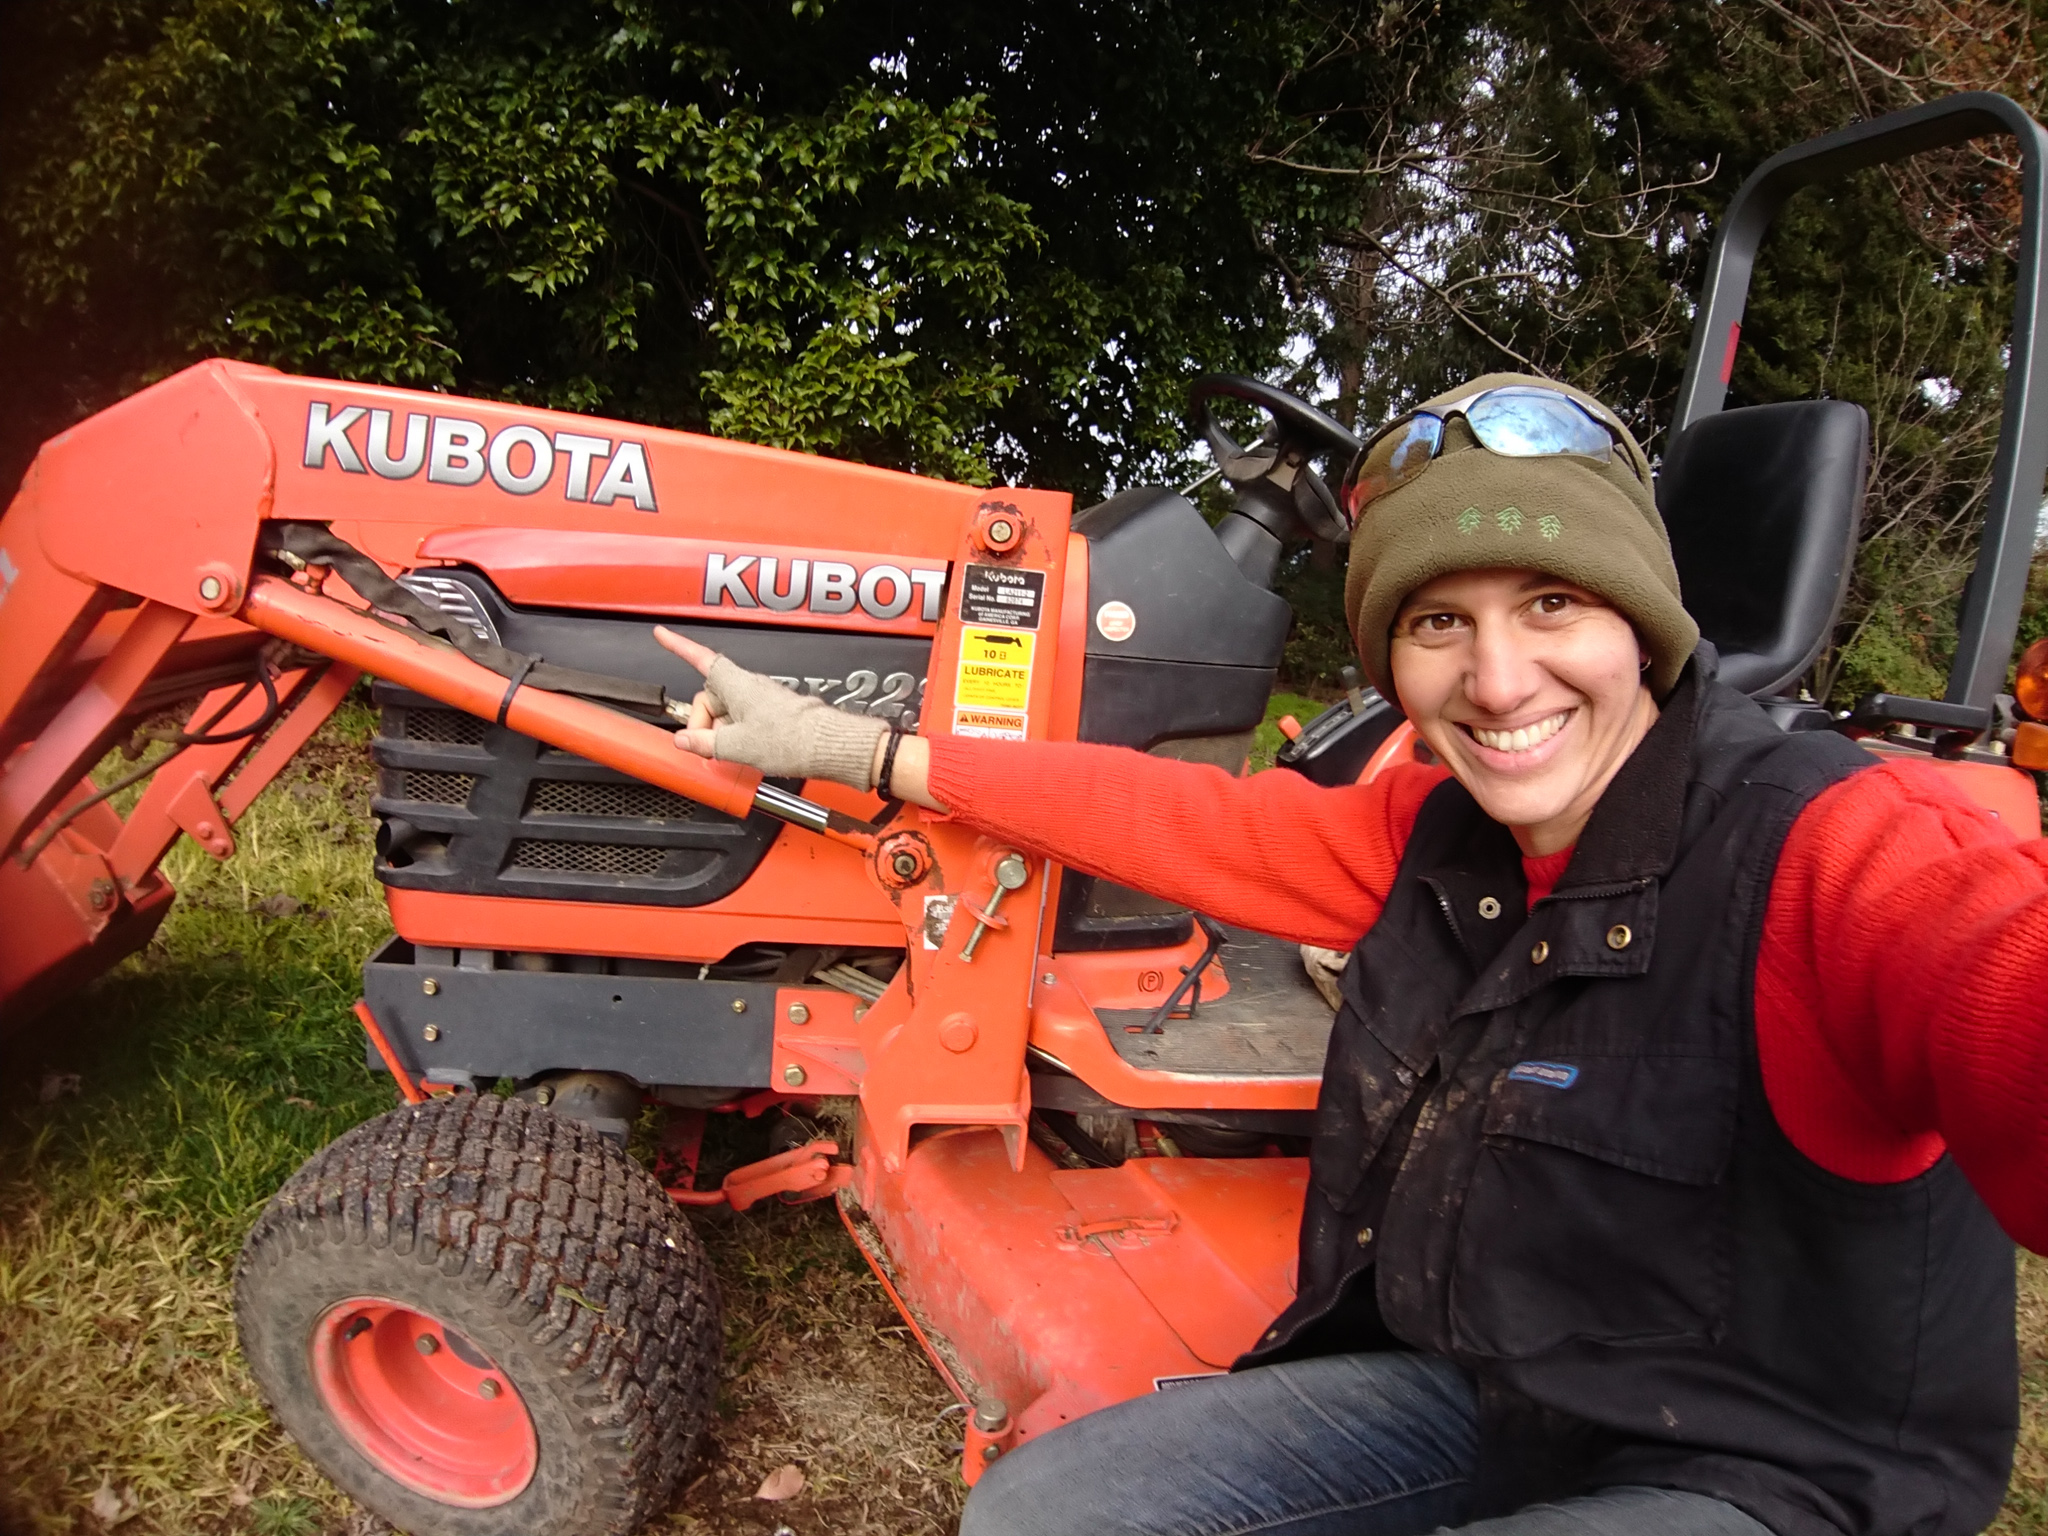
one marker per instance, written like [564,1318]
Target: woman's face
[1530,690]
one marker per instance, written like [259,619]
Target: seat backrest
[1763,504]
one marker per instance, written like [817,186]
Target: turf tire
[551,1249]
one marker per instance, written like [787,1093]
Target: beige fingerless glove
[787,735]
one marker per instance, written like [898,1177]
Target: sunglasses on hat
[1519,421]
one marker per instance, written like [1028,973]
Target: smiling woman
[1634,1143]
[1530,689]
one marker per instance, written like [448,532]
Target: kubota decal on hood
[882,590]
[453,450]
[662,575]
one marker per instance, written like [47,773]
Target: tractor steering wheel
[1295,434]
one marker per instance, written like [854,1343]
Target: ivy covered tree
[967,239]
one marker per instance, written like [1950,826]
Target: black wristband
[888,764]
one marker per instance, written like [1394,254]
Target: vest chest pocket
[1596,1208]
[1366,1085]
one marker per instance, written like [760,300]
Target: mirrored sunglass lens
[1527,424]
[1394,458]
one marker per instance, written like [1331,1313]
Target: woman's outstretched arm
[1273,852]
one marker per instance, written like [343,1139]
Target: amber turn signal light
[2030,746]
[2030,686]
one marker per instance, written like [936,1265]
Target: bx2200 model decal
[520,459]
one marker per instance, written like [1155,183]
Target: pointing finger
[699,656]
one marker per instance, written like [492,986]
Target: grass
[210,1065]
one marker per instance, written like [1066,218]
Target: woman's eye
[1553,603]
[1436,623]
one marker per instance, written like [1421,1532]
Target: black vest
[1544,1151]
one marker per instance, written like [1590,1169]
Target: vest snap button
[1540,953]
[1618,936]
[1364,1236]
[1489,908]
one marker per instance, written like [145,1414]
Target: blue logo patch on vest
[1551,1074]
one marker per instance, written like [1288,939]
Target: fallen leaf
[55,1085]
[785,1482]
[110,1505]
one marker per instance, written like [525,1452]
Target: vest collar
[1633,834]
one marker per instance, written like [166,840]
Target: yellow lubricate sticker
[995,669]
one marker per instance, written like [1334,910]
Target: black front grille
[575,797]
[451,727]
[587,858]
[436,788]
[474,808]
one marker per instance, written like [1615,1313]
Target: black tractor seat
[1763,504]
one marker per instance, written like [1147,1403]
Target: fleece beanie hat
[1591,523]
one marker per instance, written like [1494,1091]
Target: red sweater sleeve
[1899,993]
[1272,852]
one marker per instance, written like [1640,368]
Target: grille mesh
[566,797]
[451,727]
[437,788]
[588,858]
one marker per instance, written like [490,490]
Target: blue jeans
[1345,1445]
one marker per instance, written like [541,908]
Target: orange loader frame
[133,581]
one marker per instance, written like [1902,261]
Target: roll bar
[1988,619]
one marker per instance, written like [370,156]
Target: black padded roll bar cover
[1762,504]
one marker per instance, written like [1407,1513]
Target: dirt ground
[142,1126]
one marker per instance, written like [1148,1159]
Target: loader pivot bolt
[102,895]
[218,587]
[799,1014]
[998,529]
[991,1415]
[901,860]
[958,1033]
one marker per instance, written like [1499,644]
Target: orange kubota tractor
[1081,1112]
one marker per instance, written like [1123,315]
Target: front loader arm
[150,561]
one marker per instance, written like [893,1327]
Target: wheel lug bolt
[488,1388]
[427,1343]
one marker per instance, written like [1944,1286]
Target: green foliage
[975,241]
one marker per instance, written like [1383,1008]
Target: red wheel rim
[429,1408]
